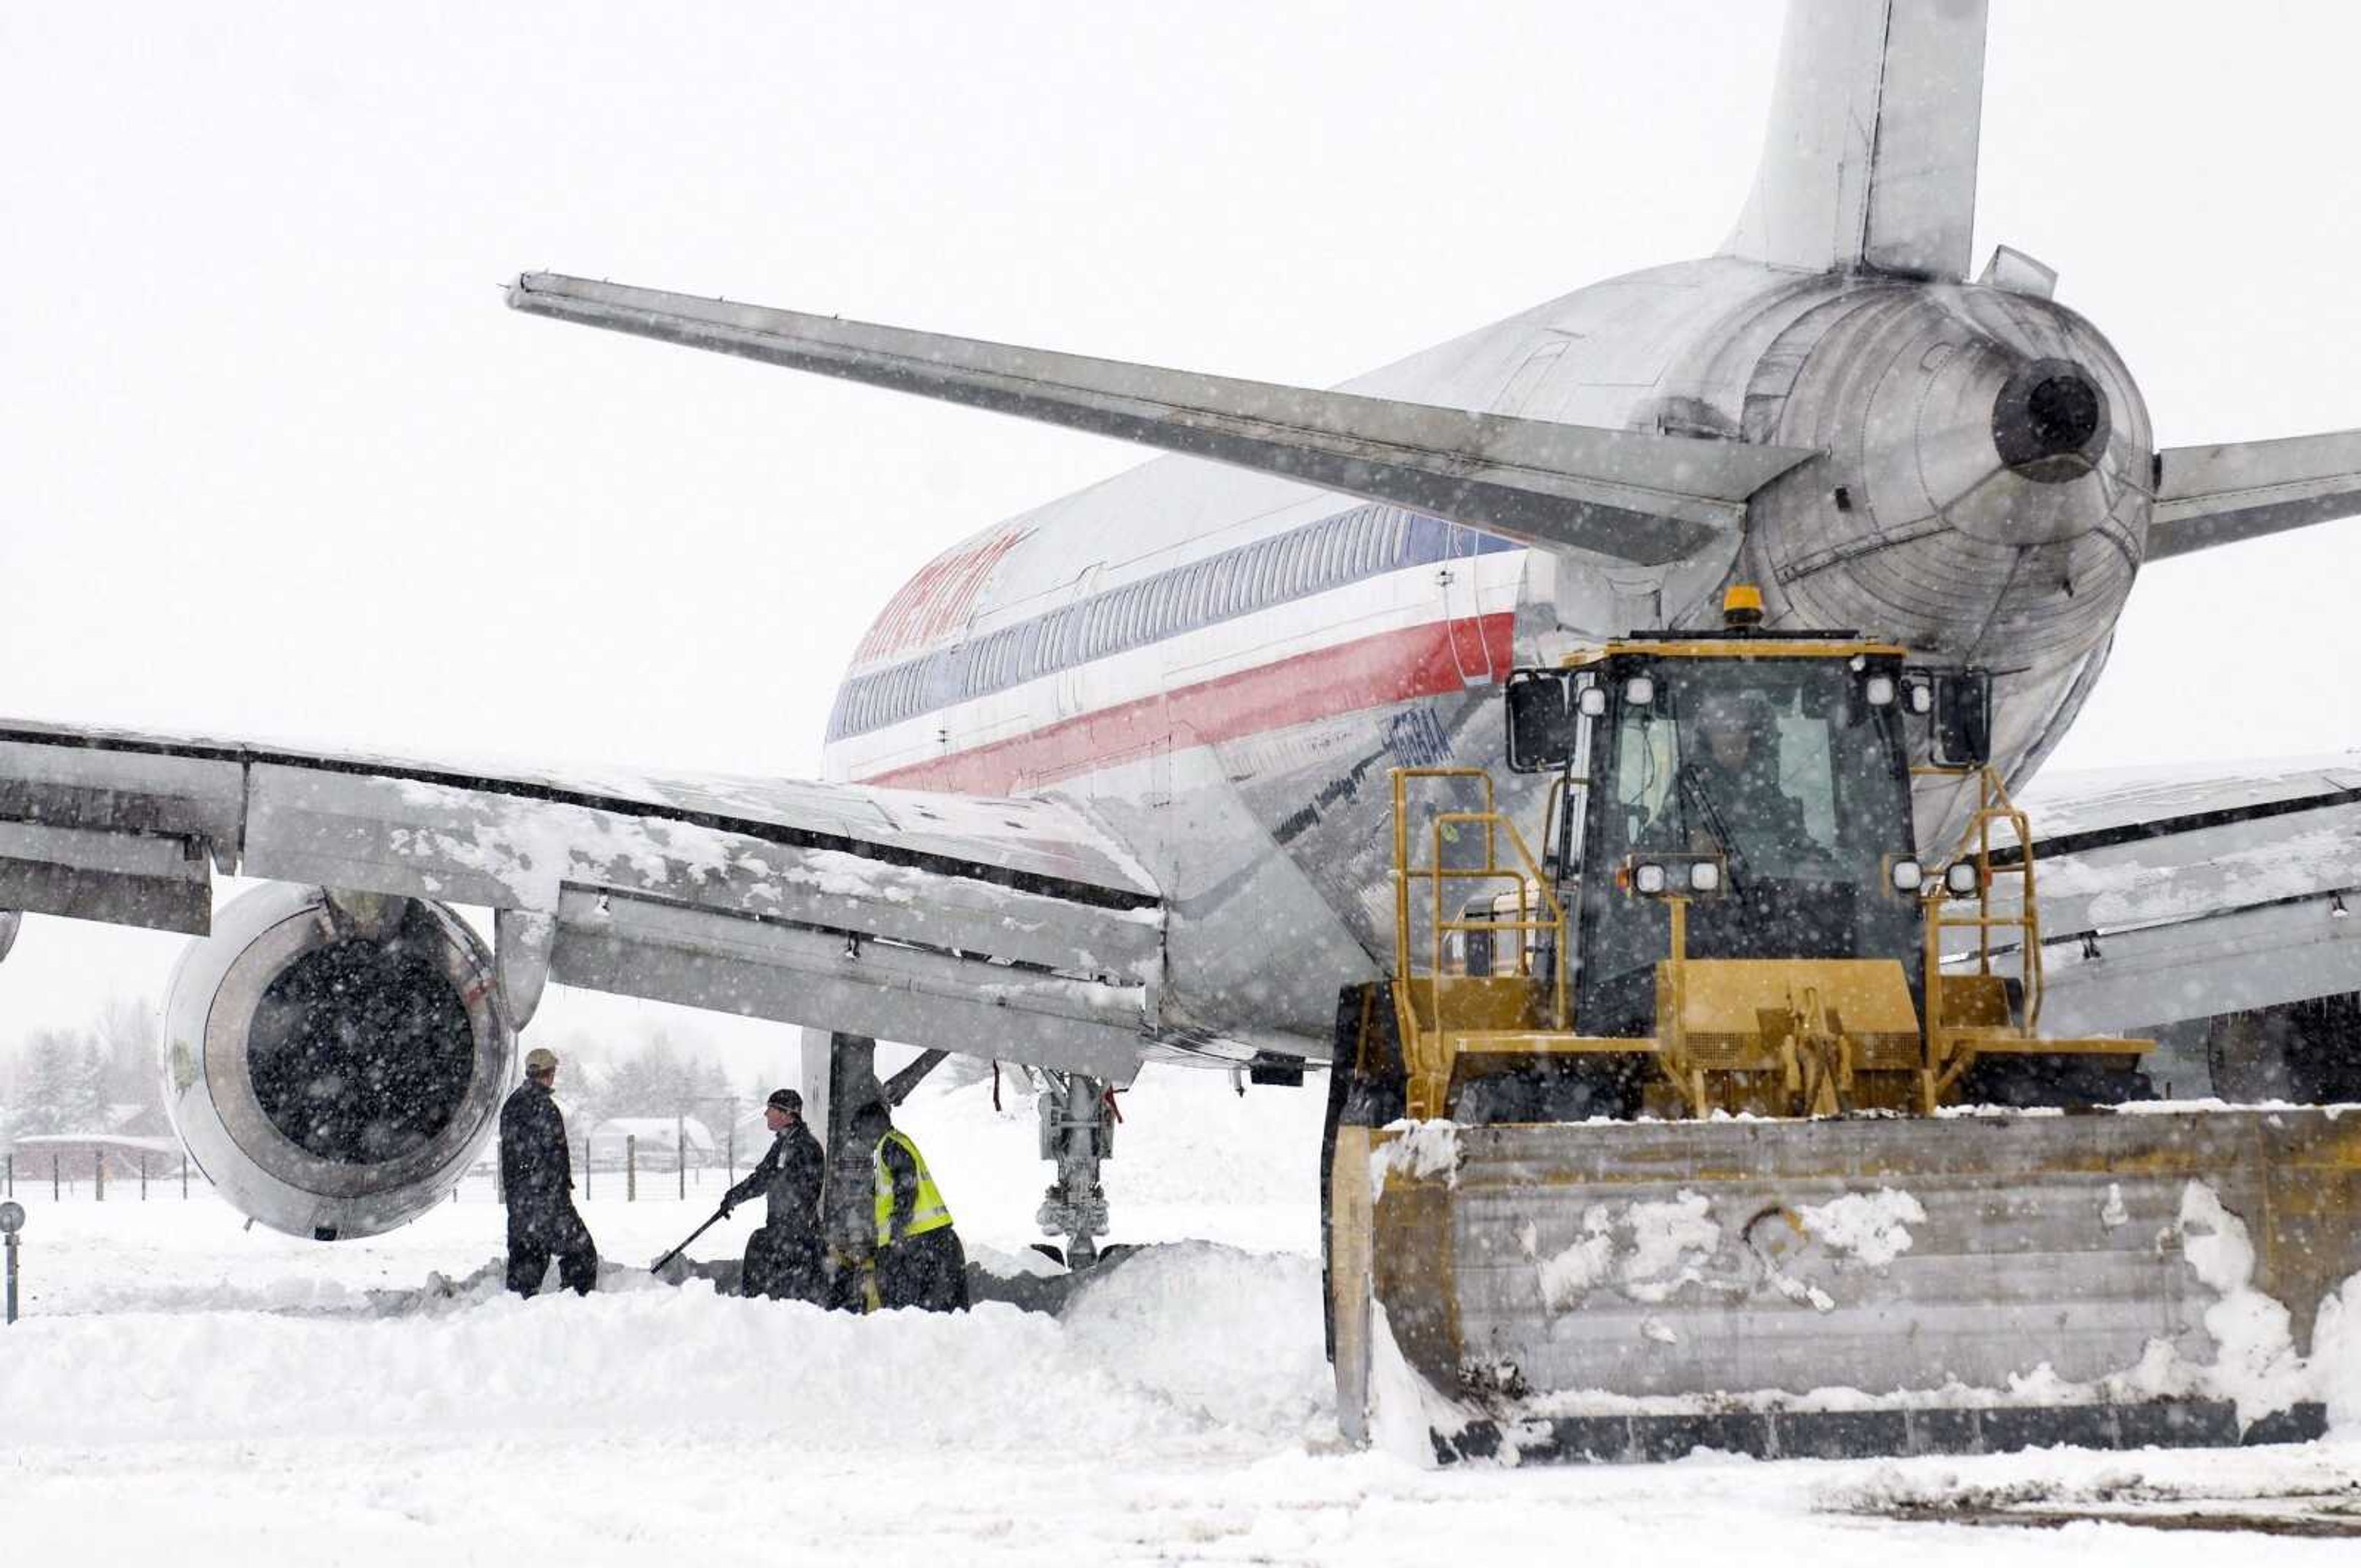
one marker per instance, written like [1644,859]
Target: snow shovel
[657,1267]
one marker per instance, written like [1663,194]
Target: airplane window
[1298,563]
[1331,551]
[1365,539]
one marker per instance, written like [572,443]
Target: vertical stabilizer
[1869,160]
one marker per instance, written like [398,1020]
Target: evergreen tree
[85,1109]
[48,1074]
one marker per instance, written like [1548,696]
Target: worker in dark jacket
[919,1261]
[537,1181]
[782,1257]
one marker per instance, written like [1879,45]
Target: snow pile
[1869,1225]
[1199,1348]
[1421,1149]
[1227,1338]
[1645,1250]
[2256,1361]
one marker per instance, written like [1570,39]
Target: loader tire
[1551,1092]
[2308,1052]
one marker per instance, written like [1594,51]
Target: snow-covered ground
[201,1393]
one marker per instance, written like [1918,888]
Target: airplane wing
[2242,490]
[1015,929]
[1628,495]
[2186,894]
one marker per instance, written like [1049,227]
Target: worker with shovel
[782,1257]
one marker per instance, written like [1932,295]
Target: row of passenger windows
[1338,550]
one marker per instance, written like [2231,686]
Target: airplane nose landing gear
[1078,1119]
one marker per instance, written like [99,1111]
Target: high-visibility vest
[927,1213]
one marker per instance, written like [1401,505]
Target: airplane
[1106,783]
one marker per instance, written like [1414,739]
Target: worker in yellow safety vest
[919,1260]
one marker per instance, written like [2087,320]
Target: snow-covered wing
[1007,927]
[2168,894]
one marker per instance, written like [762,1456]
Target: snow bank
[1224,1337]
[1202,1347]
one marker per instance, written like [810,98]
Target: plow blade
[1845,1288]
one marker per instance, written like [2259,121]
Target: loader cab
[1770,780]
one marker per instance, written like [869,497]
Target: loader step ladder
[1442,1008]
[1972,1014]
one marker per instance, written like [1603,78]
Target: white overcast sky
[275,460]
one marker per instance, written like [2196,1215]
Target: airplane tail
[1869,162]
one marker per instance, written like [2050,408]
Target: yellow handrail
[1993,806]
[1525,874]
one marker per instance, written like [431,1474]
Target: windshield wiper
[1693,793]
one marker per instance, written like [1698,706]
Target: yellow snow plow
[1723,1120]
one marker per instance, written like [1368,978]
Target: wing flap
[1628,494]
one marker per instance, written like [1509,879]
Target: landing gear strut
[1077,1131]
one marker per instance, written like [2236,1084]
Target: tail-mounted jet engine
[332,1061]
[1985,495]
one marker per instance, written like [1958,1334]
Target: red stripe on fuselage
[1369,671]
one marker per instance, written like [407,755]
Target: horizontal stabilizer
[1630,495]
[2218,495]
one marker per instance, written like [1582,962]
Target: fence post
[631,1168]
[143,1176]
[680,1149]
[56,1186]
[98,1175]
[184,1177]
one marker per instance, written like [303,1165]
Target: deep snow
[185,1386]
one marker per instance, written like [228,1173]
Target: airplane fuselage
[1222,666]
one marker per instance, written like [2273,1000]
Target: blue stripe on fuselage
[1349,547]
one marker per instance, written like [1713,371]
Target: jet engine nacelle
[331,1062]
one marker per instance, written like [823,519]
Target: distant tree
[127,1033]
[52,1060]
[86,1107]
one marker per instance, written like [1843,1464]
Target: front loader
[1725,1121]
